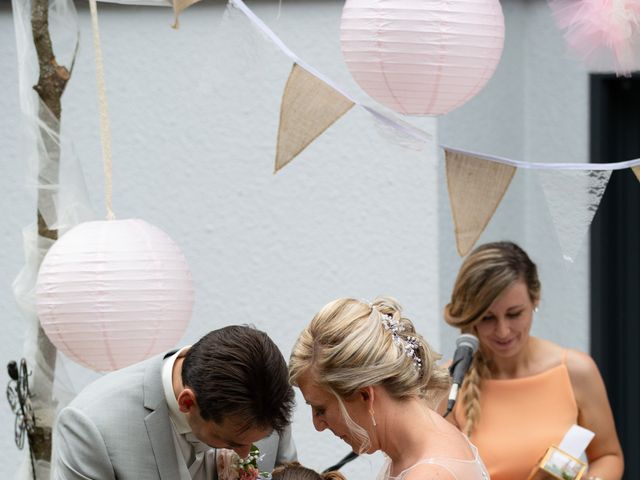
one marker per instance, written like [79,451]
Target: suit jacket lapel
[158,424]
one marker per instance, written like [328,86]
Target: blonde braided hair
[471,391]
[484,275]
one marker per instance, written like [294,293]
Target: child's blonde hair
[295,471]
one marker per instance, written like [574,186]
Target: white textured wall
[535,108]
[194,117]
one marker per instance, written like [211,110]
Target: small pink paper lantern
[115,292]
[422,57]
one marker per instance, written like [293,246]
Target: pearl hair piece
[409,345]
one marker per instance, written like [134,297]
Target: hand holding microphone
[466,346]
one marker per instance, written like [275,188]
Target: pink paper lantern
[112,293]
[422,57]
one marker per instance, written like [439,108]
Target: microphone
[466,346]
[333,468]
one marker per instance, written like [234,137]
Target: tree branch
[52,81]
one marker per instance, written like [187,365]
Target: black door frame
[615,257]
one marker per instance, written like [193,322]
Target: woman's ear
[367,395]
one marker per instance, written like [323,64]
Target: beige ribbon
[105,131]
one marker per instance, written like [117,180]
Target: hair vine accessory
[409,345]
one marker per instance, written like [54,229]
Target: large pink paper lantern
[112,293]
[422,57]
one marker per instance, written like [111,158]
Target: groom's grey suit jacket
[119,428]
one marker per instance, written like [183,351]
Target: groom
[163,418]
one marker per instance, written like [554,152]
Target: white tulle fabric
[40,142]
[60,177]
[605,33]
[459,469]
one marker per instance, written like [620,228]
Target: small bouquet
[231,467]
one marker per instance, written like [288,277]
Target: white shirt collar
[177,417]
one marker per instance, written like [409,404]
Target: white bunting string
[547,166]
[416,133]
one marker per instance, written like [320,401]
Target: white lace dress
[459,469]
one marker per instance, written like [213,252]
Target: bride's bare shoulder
[428,471]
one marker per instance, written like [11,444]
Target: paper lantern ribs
[422,57]
[112,293]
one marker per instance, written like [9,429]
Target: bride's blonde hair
[347,347]
[484,275]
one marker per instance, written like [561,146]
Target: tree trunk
[51,84]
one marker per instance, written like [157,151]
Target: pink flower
[250,473]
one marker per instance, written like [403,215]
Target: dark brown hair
[239,371]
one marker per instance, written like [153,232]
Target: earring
[535,309]
[373,418]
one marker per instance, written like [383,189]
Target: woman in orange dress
[522,393]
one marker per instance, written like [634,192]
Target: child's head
[295,471]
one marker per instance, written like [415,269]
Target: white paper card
[576,440]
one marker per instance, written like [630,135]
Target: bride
[371,380]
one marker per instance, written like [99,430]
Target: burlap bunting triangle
[636,170]
[309,107]
[476,187]
[179,6]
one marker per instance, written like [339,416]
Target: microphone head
[468,340]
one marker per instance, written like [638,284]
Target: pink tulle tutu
[605,33]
